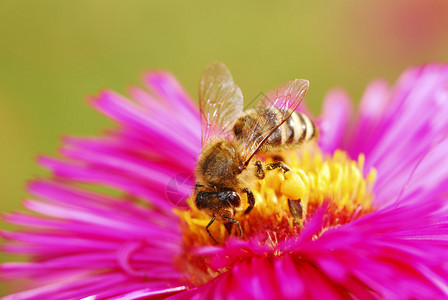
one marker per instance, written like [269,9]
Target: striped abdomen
[296,130]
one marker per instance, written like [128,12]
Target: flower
[117,220]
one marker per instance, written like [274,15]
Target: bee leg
[250,199]
[276,165]
[209,233]
[235,222]
[260,172]
[296,210]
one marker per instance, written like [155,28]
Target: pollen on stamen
[314,179]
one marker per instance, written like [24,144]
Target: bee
[230,140]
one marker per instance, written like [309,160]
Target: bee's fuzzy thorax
[218,166]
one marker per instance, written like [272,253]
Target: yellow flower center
[314,179]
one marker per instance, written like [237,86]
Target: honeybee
[231,139]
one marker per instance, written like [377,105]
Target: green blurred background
[53,54]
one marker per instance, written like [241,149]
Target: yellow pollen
[314,179]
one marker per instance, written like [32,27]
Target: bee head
[217,200]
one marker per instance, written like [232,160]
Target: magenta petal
[373,107]
[285,271]
[147,293]
[334,120]
[397,128]
[120,109]
[167,87]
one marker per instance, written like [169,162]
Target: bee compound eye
[202,200]
[234,198]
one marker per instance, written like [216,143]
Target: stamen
[313,179]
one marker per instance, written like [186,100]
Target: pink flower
[113,221]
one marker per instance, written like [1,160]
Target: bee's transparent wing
[273,110]
[221,102]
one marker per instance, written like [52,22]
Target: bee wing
[221,102]
[273,110]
